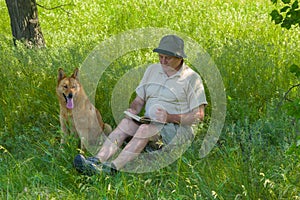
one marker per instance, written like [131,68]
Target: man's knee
[146,131]
[127,126]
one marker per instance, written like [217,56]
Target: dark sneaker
[109,168]
[94,160]
[90,166]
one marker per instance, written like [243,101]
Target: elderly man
[172,94]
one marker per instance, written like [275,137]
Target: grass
[257,155]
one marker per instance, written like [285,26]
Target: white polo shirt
[177,94]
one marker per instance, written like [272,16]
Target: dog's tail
[107,129]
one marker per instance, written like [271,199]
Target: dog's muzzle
[70,96]
[69,100]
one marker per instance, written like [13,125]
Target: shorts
[172,134]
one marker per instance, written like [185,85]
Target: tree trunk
[24,22]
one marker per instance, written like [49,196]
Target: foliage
[295,69]
[288,15]
[257,155]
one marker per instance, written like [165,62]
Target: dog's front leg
[64,129]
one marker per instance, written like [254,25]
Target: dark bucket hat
[171,45]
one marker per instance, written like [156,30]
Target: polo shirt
[177,94]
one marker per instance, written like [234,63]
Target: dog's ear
[75,74]
[61,74]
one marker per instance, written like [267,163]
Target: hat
[171,45]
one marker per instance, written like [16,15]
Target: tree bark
[24,22]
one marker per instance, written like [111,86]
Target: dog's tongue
[70,103]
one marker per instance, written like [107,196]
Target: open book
[143,120]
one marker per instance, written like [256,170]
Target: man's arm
[190,118]
[136,105]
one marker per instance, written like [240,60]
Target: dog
[77,114]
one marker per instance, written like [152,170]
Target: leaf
[295,69]
[295,5]
[276,16]
[286,1]
[284,9]
[274,1]
[295,16]
[287,23]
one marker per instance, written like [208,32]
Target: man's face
[169,61]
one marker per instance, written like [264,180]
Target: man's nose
[163,60]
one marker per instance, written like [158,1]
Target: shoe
[109,168]
[90,166]
[94,160]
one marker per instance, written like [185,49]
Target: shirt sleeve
[141,89]
[196,93]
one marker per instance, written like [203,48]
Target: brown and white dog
[77,114]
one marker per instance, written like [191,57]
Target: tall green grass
[257,155]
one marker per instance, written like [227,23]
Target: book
[143,119]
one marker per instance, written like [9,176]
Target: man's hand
[161,115]
[190,118]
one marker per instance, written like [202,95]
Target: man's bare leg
[126,128]
[136,145]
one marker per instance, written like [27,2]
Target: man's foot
[92,166]
[109,168]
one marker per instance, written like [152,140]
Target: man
[172,94]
